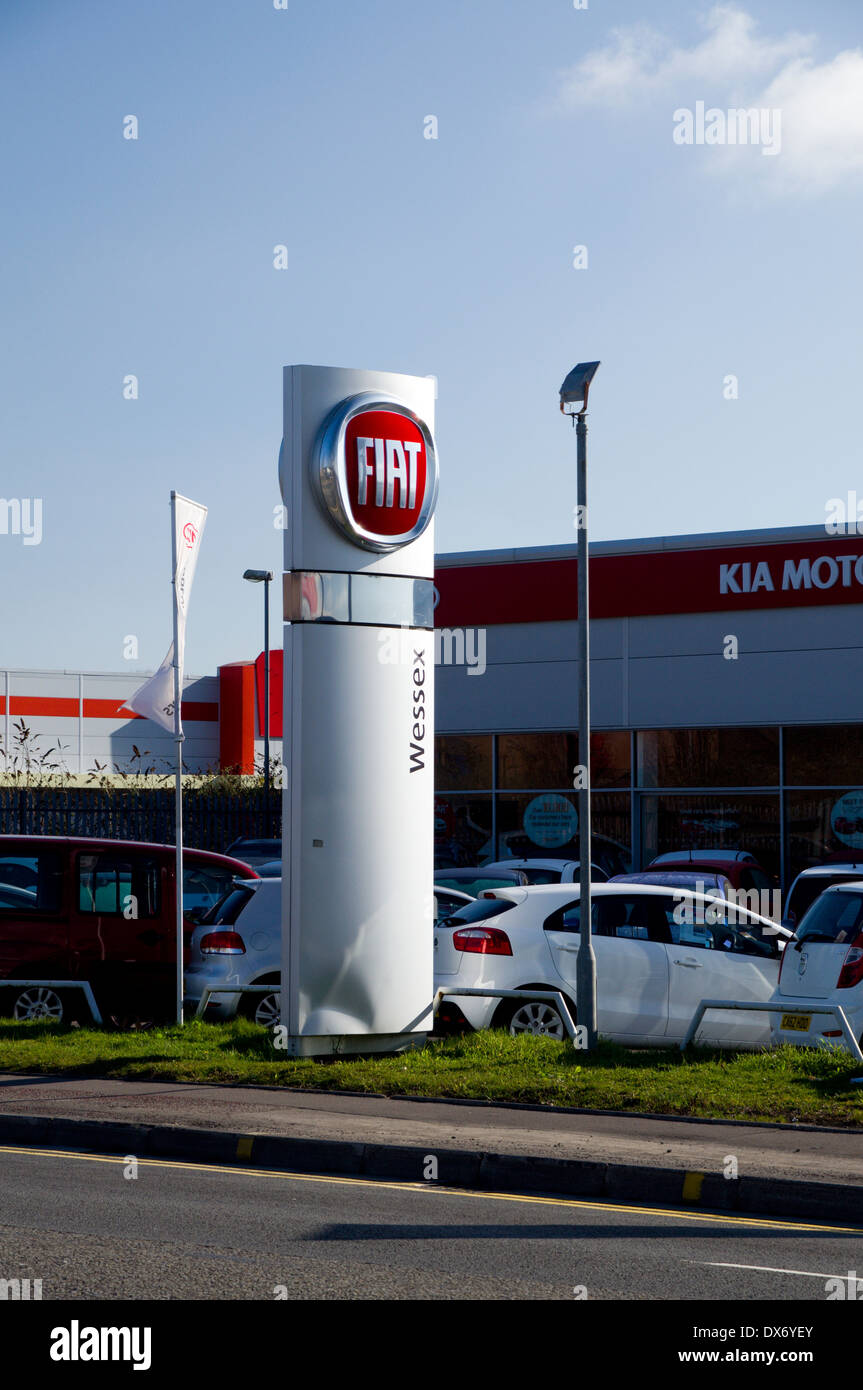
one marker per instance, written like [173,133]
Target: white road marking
[770,1269]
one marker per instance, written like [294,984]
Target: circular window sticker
[846,819]
[551,820]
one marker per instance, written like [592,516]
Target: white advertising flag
[155,698]
[189,520]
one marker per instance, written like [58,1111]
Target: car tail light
[483,941]
[852,967]
[222,943]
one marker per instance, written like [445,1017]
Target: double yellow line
[563,1203]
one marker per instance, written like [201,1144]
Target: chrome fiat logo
[375,471]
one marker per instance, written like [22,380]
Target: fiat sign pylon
[359,479]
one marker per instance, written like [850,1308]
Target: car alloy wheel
[538,1018]
[39,1002]
[268,1011]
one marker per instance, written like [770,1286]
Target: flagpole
[178,788]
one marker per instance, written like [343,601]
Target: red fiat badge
[376,471]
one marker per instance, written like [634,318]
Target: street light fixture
[264,577]
[576,386]
[574,392]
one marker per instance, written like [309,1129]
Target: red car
[739,867]
[102,911]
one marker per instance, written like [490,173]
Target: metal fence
[211,820]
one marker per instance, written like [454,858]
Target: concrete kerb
[456,1168]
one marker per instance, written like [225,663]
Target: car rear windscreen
[836,918]
[226,912]
[479,911]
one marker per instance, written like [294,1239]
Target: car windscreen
[255,851]
[479,911]
[808,890]
[475,886]
[835,918]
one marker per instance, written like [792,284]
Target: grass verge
[788,1084]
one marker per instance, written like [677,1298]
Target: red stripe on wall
[46,706]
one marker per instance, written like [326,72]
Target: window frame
[137,864]
[41,856]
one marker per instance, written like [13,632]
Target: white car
[658,954]
[811,883]
[823,962]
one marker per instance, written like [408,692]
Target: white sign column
[359,482]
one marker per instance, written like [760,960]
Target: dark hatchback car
[476,881]
[255,852]
[103,911]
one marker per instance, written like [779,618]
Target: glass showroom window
[548,759]
[823,822]
[544,825]
[462,830]
[708,758]
[463,762]
[727,821]
[824,756]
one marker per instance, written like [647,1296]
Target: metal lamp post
[264,577]
[574,392]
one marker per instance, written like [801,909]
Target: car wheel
[38,1001]
[268,1011]
[537,1017]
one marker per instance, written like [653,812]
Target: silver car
[241,944]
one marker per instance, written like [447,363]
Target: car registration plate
[796,1023]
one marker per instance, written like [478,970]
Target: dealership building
[727,701]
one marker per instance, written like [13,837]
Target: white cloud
[822,122]
[641,61]
[821,104]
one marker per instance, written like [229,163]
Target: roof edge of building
[701,540]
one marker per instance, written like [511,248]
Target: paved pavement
[761,1151]
[88,1230]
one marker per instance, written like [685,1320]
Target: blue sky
[451,256]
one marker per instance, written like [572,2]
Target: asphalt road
[189,1231]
